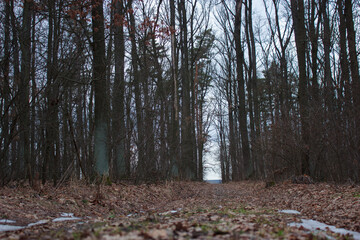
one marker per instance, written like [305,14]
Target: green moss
[205,228]
[108,181]
[262,220]
[200,210]
[99,224]
[242,211]
[280,233]
[76,235]
[59,233]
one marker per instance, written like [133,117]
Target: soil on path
[180,210]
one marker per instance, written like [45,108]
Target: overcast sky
[212,171]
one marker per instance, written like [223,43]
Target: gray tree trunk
[25,41]
[297,9]
[99,81]
[120,166]
[247,162]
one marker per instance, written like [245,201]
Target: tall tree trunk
[33,156]
[253,89]
[149,168]
[5,111]
[232,122]
[354,67]
[109,66]
[174,149]
[188,166]
[161,101]
[52,122]
[314,37]
[193,97]
[297,9]
[25,40]
[315,130]
[119,92]
[99,81]
[137,92]
[247,162]
[51,99]
[344,76]
[15,167]
[329,92]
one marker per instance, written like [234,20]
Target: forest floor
[179,210]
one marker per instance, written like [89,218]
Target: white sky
[212,165]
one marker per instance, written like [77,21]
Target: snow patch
[38,223]
[4,228]
[61,219]
[67,214]
[7,221]
[314,225]
[289,211]
[168,212]
[66,217]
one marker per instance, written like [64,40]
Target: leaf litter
[181,210]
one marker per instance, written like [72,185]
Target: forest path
[179,210]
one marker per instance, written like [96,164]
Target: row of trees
[98,87]
[302,116]
[130,89]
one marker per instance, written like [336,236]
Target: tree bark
[137,91]
[297,9]
[16,166]
[52,122]
[329,91]
[118,131]
[5,112]
[25,41]
[174,149]
[247,162]
[354,67]
[188,166]
[99,81]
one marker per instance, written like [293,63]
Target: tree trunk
[25,40]
[99,81]
[5,111]
[137,92]
[297,9]
[174,149]
[329,92]
[15,166]
[33,156]
[52,122]
[354,67]
[188,166]
[247,163]
[119,91]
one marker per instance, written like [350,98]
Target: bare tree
[99,81]
[247,161]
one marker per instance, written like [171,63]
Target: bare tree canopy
[157,90]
